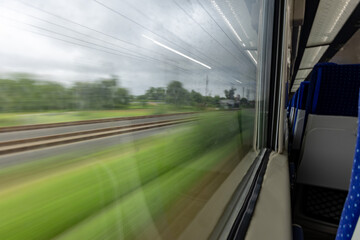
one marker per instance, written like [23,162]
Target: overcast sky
[144,42]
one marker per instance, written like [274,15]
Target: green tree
[141,97]
[176,94]
[230,94]
[22,93]
[102,94]
[217,100]
[122,97]
[244,102]
[106,91]
[155,93]
[196,98]
[25,94]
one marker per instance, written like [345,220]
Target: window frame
[267,121]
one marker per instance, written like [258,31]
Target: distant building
[229,103]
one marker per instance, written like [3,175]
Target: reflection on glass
[121,119]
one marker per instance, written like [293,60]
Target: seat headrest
[334,89]
[303,91]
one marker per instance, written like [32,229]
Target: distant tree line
[177,95]
[26,94]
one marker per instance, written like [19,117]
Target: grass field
[16,119]
[113,194]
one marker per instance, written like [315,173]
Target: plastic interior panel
[327,152]
[356,234]
[298,129]
[292,115]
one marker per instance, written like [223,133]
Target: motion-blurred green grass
[124,218]
[133,110]
[110,196]
[15,119]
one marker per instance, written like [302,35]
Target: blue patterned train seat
[330,126]
[351,211]
[300,113]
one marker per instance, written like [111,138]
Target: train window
[124,119]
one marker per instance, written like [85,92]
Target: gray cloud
[83,40]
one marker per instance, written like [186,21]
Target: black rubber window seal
[242,222]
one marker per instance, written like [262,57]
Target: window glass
[121,119]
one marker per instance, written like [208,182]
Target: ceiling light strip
[175,51]
[329,19]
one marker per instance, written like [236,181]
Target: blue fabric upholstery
[288,107]
[304,87]
[293,105]
[293,99]
[298,233]
[301,100]
[287,95]
[334,89]
[351,210]
[313,79]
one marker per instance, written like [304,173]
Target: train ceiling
[327,27]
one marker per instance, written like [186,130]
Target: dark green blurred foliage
[157,94]
[22,94]
[25,94]
[230,94]
[176,94]
[196,97]
[179,96]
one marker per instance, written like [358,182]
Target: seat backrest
[292,109]
[351,210]
[300,113]
[314,77]
[331,122]
[335,90]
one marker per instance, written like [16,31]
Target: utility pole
[207,86]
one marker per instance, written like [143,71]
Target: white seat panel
[298,129]
[328,150]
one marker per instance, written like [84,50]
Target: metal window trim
[277,69]
[263,76]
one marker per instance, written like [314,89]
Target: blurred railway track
[85,122]
[26,144]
